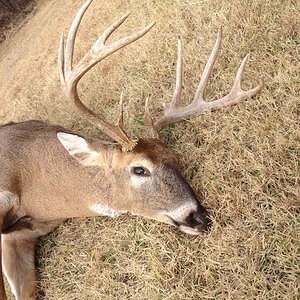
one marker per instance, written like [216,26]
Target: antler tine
[72,35]
[175,113]
[178,86]
[199,96]
[154,128]
[237,94]
[239,73]
[100,51]
[121,103]
[61,61]
[110,30]
[70,76]
[148,121]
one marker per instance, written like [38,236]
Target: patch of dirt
[12,13]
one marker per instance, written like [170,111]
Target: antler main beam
[70,76]
[174,112]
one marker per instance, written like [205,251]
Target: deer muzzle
[195,222]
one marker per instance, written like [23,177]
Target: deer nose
[198,220]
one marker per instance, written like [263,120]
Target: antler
[70,76]
[174,112]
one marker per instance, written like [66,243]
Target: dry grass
[245,161]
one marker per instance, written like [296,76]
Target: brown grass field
[244,161]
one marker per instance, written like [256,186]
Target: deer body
[49,174]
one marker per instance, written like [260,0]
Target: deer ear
[77,147]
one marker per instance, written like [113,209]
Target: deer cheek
[137,181]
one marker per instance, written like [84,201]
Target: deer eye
[140,171]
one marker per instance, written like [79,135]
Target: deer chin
[184,228]
[189,230]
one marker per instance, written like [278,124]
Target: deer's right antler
[70,76]
[174,112]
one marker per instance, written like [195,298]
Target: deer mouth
[190,230]
[195,224]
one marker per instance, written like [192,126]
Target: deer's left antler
[173,112]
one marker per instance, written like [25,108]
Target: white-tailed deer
[49,174]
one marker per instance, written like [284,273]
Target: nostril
[199,217]
[199,220]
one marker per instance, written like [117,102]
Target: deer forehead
[126,160]
[157,151]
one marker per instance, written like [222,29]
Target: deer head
[145,171]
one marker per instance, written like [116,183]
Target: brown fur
[50,185]
[157,151]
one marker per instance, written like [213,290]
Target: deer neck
[68,188]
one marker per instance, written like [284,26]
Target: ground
[243,161]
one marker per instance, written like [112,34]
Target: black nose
[199,220]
